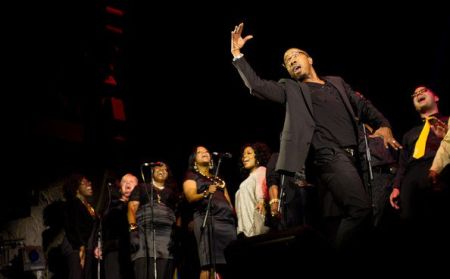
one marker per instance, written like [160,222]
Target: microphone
[223,154]
[152,164]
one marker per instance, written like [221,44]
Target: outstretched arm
[237,42]
[263,89]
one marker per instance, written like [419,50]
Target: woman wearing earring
[200,185]
[252,193]
[141,224]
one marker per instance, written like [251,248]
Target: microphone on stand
[110,183]
[152,164]
[223,154]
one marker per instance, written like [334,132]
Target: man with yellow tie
[423,209]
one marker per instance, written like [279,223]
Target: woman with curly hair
[252,194]
[80,226]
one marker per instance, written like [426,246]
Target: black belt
[390,169]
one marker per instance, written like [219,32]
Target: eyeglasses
[415,94]
[295,54]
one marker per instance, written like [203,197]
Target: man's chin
[301,77]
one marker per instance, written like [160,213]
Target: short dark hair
[430,87]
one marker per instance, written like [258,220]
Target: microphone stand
[100,224]
[369,164]
[99,245]
[152,225]
[281,204]
[212,259]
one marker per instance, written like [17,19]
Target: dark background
[174,73]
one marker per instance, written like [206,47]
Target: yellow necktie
[419,149]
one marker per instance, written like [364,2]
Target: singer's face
[248,158]
[160,173]
[202,155]
[85,188]
[297,63]
[127,184]
[424,98]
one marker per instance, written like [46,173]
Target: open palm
[237,42]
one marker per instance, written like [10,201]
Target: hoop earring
[211,164]
[195,166]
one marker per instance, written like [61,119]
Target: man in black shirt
[424,206]
[320,118]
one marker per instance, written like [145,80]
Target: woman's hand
[261,208]
[82,254]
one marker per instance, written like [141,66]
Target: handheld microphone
[224,154]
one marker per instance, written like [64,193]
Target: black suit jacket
[299,124]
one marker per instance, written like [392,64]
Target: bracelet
[272,201]
[238,57]
[133,227]
[205,194]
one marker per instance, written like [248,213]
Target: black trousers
[299,206]
[419,199]
[425,215]
[424,207]
[380,187]
[338,174]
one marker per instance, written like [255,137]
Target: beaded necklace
[214,179]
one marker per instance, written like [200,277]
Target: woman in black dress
[220,230]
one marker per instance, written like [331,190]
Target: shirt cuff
[238,57]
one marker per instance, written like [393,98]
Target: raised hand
[438,127]
[237,42]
